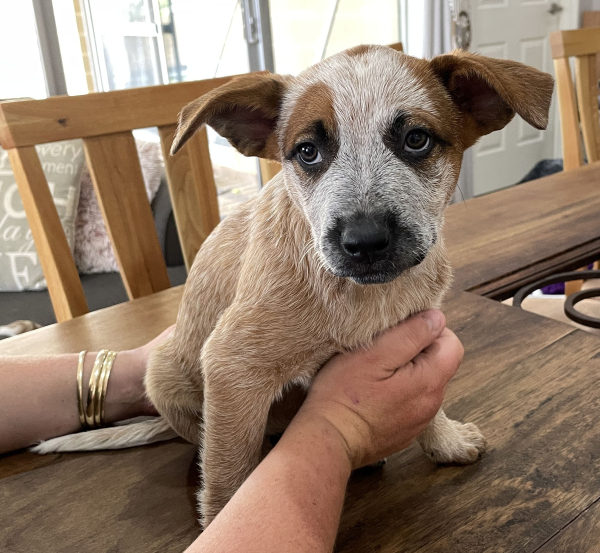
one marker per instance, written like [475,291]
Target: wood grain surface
[569,115]
[123,326]
[578,42]
[581,535]
[119,185]
[192,189]
[584,45]
[517,234]
[30,122]
[592,19]
[587,95]
[530,383]
[64,286]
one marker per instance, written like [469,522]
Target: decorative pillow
[63,163]
[93,250]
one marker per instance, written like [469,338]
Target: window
[21,70]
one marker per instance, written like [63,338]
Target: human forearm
[38,395]
[291,502]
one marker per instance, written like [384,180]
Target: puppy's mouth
[373,250]
[386,272]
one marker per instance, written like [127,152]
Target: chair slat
[587,92]
[64,286]
[569,128]
[580,42]
[193,190]
[119,185]
[268,169]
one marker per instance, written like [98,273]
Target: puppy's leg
[448,441]
[176,395]
[236,408]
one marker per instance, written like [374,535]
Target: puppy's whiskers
[307,247]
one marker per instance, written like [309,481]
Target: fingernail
[434,319]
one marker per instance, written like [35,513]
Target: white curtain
[437,34]
[437,39]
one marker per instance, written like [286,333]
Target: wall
[589,5]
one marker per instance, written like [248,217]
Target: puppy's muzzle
[373,248]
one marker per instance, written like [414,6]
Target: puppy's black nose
[365,240]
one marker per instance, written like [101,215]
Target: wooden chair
[104,121]
[583,44]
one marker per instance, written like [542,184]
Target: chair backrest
[577,104]
[104,122]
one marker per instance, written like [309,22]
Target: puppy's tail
[129,433]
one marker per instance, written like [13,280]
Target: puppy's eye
[417,141]
[308,153]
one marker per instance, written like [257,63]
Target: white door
[517,30]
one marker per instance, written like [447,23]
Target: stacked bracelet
[91,413]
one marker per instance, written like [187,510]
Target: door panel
[517,30]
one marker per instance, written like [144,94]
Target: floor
[233,188]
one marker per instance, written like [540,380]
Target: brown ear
[244,111]
[489,91]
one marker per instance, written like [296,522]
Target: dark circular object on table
[577,316]
[571,300]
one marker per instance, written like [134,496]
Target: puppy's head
[371,143]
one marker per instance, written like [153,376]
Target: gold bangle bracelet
[80,406]
[103,385]
[92,396]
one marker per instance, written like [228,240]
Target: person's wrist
[125,395]
[344,430]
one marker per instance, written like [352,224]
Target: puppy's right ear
[244,111]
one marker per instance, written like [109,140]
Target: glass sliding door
[128,43]
[21,69]
[305,32]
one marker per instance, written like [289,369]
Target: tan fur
[358,50]
[263,309]
[290,316]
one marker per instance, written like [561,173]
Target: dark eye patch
[410,142]
[325,143]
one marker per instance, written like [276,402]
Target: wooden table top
[529,383]
[502,241]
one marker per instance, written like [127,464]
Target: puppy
[345,242]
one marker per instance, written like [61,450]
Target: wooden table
[500,242]
[531,384]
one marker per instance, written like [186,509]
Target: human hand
[380,399]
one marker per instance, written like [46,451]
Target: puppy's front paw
[460,443]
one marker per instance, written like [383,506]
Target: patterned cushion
[93,250]
[63,163]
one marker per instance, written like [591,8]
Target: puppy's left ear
[245,111]
[488,92]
